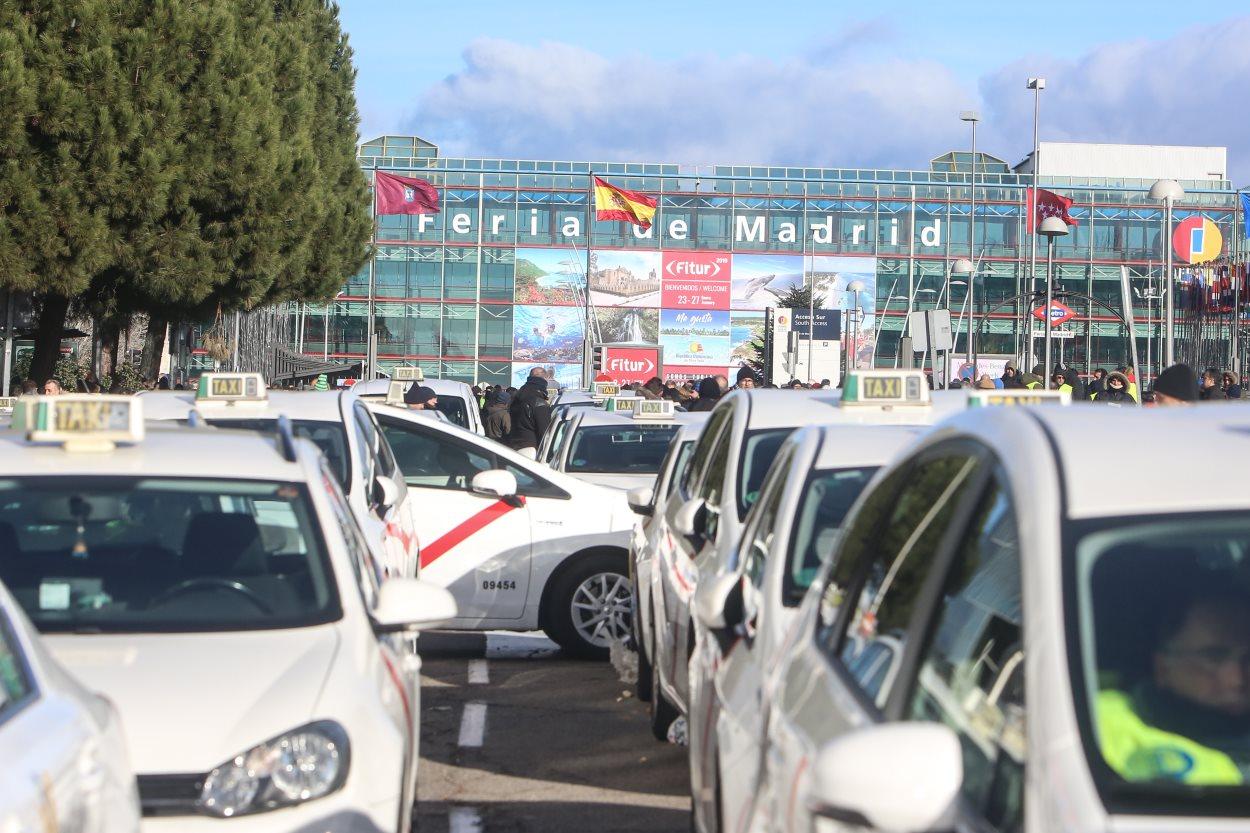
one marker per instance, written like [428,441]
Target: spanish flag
[612,203]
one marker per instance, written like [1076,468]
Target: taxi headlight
[300,765]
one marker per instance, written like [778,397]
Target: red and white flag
[1049,204]
[404,194]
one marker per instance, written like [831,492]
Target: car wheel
[591,606]
[663,713]
[642,683]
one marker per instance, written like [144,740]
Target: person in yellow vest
[1189,722]
[1059,382]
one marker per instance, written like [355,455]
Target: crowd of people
[1178,384]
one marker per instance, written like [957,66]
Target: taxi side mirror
[690,519]
[718,602]
[892,777]
[385,492]
[495,483]
[639,499]
[410,604]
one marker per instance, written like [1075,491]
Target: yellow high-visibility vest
[1138,752]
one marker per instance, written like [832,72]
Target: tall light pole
[972,118]
[1168,191]
[1050,228]
[1036,85]
[854,287]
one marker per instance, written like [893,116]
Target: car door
[398,519]
[840,675]
[477,546]
[739,679]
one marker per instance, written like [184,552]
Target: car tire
[642,684]
[662,712]
[593,579]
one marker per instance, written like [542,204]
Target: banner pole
[587,347]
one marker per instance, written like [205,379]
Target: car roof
[314,406]
[167,450]
[862,445]
[597,416]
[443,387]
[1125,461]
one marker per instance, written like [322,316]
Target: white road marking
[464,820]
[509,645]
[479,672]
[473,724]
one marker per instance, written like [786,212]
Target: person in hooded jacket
[530,415]
[1115,390]
[1073,380]
[498,422]
[1098,382]
[709,393]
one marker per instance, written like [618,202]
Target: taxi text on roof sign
[408,373]
[885,387]
[605,389]
[87,422]
[995,398]
[653,409]
[231,387]
[620,403]
[6,404]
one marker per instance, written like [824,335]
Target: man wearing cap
[1176,386]
[421,398]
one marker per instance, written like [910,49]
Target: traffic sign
[1059,313]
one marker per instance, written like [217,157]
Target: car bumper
[339,813]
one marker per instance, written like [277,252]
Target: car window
[433,460]
[826,498]
[719,421]
[759,449]
[16,685]
[898,560]
[762,522]
[454,408]
[683,452]
[367,437]
[366,569]
[619,449]
[329,437]
[712,483]
[971,674]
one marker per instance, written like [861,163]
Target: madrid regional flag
[1049,204]
[612,203]
[404,195]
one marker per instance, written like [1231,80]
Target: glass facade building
[495,282]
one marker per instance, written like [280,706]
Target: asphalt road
[516,737]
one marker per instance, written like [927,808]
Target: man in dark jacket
[530,415]
[709,392]
[498,422]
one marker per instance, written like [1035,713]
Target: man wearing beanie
[530,414]
[421,398]
[1176,386]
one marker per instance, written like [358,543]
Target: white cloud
[844,102]
[559,101]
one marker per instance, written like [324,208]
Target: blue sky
[796,83]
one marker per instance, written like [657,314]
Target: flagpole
[587,347]
[367,371]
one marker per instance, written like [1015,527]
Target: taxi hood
[191,701]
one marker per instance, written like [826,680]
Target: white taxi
[621,448]
[215,585]
[456,400]
[1014,634]
[868,397]
[339,424]
[65,760]
[567,405]
[649,530]
[818,474]
[520,545]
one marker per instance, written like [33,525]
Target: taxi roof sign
[885,388]
[654,409]
[80,422]
[603,390]
[7,403]
[231,387]
[1015,396]
[620,403]
[407,373]
[395,392]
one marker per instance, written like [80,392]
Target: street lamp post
[966,267]
[1168,191]
[1036,85]
[1050,228]
[854,287]
[972,118]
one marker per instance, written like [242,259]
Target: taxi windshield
[623,449]
[758,452]
[161,555]
[827,496]
[1162,617]
[328,436]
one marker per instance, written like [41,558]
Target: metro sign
[1059,313]
[631,364]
